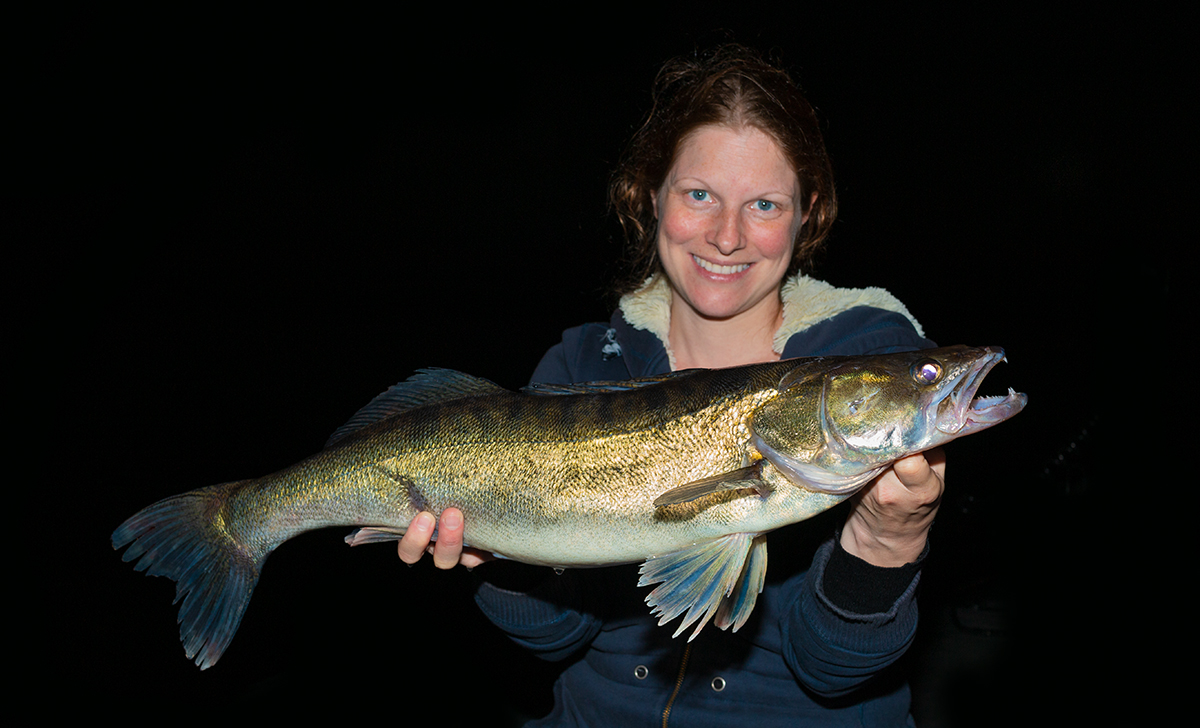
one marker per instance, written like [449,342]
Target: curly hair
[730,86]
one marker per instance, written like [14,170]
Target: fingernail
[453,519]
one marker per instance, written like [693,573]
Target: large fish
[685,472]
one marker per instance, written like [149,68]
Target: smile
[724,270]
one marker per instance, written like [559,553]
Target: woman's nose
[726,235]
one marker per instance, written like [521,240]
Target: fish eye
[926,371]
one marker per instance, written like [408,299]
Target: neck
[697,341]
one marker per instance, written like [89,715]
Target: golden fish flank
[684,472]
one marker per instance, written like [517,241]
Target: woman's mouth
[722,270]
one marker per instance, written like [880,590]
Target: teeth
[723,270]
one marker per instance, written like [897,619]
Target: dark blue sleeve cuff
[832,650]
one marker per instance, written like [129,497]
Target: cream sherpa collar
[806,301]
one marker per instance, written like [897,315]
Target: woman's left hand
[448,550]
[890,520]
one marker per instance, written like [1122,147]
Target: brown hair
[731,86]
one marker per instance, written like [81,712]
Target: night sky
[248,226]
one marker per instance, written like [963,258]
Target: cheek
[677,226]
[775,241]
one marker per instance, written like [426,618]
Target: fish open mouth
[963,413]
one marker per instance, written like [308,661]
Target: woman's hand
[448,550]
[891,517]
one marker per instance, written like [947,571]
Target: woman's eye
[699,195]
[764,206]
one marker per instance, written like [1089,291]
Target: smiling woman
[733,89]
[725,191]
[728,214]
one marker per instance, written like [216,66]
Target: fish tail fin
[185,538]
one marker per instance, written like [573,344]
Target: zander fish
[686,472]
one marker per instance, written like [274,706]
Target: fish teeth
[724,270]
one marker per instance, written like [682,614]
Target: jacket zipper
[678,684]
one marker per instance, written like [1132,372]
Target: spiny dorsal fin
[599,387]
[427,386]
[742,478]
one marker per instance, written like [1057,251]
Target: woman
[724,193]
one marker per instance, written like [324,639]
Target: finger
[448,548]
[922,470]
[416,538]
[912,470]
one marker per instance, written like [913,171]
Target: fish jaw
[962,413]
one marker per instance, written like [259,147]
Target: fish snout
[967,413]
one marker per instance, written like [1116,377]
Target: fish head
[832,428]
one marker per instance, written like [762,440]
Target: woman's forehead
[748,148]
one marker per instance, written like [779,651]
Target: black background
[246,226]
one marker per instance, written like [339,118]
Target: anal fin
[701,579]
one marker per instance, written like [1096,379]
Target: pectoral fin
[699,580]
[749,477]
[812,477]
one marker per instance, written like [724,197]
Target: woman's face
[728,214]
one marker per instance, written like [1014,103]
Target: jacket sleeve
[543,614]
[553,368]
[832,648]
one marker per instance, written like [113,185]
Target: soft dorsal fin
[599,387]
[427,386]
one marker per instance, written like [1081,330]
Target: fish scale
[684,473]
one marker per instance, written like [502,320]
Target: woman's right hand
[447,550]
